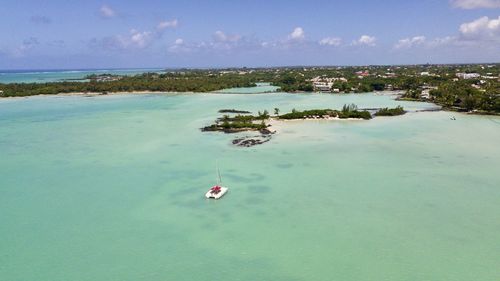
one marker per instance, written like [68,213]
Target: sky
[70,34]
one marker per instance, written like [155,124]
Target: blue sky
[43,34]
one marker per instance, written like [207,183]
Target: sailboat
[217,191]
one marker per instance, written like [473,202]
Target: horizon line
[13,70]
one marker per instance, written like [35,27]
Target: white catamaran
[217,191]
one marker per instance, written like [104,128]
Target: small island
[240,123]
[398,110]
[234,111]
[348,112]
[244,121]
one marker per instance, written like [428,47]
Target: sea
[72,75]
[112,188]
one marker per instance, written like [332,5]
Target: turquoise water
[37,76]
[259,89]
[111,188]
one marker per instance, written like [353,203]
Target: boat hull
[210,195]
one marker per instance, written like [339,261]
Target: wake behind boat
[217,191]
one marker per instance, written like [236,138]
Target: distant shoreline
[97,94]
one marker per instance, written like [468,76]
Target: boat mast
[219,180]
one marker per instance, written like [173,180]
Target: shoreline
[97,94]
[392,93]
[450,109]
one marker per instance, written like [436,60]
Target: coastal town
[469,88]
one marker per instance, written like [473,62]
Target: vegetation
[464,97]
[102,76]
[235,126]
[234,111]
[320,113]
[293,82]
[440,84]
[391,111]
[348,111]
[193,82]
[239,122]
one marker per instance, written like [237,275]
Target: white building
[468,75]
[325,84]
[426,94]
[322,86]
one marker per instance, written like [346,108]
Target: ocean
[112,188]
[46,76]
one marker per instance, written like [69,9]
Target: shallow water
[258,89]
[111,188]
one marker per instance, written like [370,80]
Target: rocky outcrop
[251,141]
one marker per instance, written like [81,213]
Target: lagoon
[112,188]
[260,88]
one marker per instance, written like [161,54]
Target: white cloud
[167,24]
[107,12]
[297,34]
[410,42]
[221,37]
[139,39]
[482,33]
[330,41]
[475,4]
[220,42]
[134,40]
[481,29]
[179,46]
[365,40]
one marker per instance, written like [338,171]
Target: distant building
[327,79]
[426,91]
[363,74]
[325,84]
[106,78]
[322,86]
[468,75]
[426,94]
